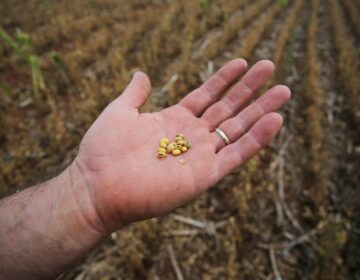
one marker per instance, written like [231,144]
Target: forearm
[46,228]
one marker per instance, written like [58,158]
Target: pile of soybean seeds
[181,145]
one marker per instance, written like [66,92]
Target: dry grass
[348,59]
[284,36]
[211,46]
[315,101]
[254,35]
[162,43]
[231,28]
[353,12]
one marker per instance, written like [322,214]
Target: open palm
[117,156]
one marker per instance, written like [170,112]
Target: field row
[314,98]
[347,60]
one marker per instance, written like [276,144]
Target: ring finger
[234,127]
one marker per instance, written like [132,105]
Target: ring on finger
[223,136]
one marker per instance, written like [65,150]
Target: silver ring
[223,136]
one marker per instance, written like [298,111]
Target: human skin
[117,179]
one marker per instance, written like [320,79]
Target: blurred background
[293,212]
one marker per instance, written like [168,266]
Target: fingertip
[258,74]
[143,77]
[238,63]
[243,62]
[266,66]
[276,118]
[137,91]
[267,127]
[268,63]
[285,91]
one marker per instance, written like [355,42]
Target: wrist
[79,194]
[106,208]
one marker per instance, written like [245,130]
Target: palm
[118,153]
[192,171]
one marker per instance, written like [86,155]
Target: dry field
[293,212]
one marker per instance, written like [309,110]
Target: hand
[117,155]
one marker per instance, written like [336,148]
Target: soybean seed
[176,152]
[181,142]
[183,149]
[163,145]
[171,147]
[161,155]
[164,140]
[161,149]
[181,145]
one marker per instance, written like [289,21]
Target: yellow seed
[183,149]
[181,142]
[161,155]
[161,149]
[164,140]
[180,135]
[176,152]
[188,144]
[171,147]
[178,138]
[163,145]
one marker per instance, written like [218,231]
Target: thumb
[137,91]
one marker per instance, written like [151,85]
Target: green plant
[206,4]
[21,44]
[37,80]
[59,65]
[283,3]
[9,41]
